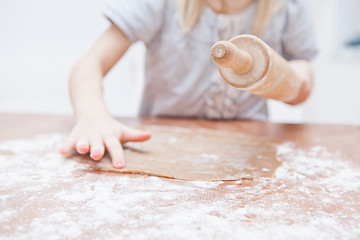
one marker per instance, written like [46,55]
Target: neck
[228,6]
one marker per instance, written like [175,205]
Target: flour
[211,156]
[314,195]
[173,140]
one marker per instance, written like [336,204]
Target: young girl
[180,79]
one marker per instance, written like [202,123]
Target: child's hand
[94,135]
[303,69]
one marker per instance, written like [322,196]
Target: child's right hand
[96,134]
[95,130]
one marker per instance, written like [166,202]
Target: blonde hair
[190,11]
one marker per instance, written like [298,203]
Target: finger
[97,149]
[116,152]
[68,146]
[134,135]
[82,147]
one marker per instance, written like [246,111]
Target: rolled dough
[196,154]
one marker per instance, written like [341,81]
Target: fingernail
[119,165]
[62,150]
[96,154]
[83,146]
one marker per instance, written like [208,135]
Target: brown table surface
[315,193]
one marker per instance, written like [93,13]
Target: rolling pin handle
[226,54]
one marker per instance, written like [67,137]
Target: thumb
[68,146]
[134,135]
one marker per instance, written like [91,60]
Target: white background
[40,40]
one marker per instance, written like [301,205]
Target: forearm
[86,89]
[86,78]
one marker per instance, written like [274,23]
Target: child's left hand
[303,69]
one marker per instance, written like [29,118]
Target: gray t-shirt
[180,78]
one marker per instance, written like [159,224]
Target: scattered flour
[211,156]
[314,195]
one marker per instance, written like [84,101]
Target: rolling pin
[246,62]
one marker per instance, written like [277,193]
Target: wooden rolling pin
[246,62]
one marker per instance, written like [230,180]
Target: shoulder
[292,11]
[294,7]
[291,30]
[139,20]
[299,38]
[138,7]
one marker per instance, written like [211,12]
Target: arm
[300,44]
[91,69]
[95,130]
[304,70]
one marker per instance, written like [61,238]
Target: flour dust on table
[313,194]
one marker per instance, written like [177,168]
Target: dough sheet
[196,154]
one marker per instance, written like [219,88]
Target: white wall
[40,40]
[336,94]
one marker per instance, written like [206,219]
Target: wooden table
[315,193]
